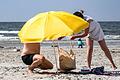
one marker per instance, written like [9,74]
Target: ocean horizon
[9,30]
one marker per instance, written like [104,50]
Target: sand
[12,67]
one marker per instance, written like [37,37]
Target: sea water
[9,30]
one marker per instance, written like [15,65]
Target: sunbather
[31,56]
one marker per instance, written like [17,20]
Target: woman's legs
[106,51]
[89,44]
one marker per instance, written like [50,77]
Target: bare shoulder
[90,20]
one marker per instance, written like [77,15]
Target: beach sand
[12,67]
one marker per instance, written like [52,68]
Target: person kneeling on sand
[31,56]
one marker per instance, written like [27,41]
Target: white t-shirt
[86,17]
[95,30]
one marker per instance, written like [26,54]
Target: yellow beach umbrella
[50,25]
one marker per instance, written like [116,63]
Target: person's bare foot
[30,72]
[114,67]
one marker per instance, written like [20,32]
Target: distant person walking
[80,43]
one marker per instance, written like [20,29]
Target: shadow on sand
[107,73]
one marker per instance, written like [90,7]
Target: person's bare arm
[61,37]
[85,33]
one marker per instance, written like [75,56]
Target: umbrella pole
[55,57]
[71,44]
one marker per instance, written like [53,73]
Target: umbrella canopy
[51,25]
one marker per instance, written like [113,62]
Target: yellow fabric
[51,25]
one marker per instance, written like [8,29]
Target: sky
[23,10]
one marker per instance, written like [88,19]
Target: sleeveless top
[95,30]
